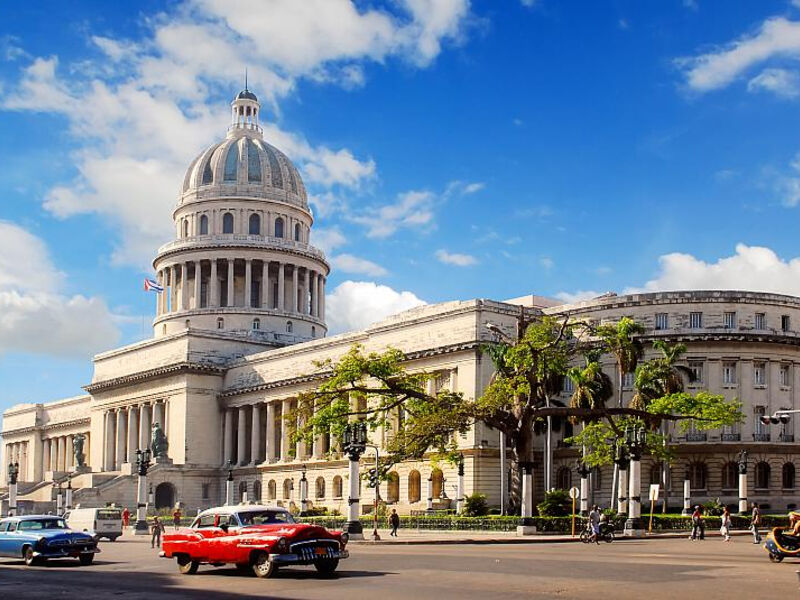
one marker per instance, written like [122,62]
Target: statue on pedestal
[78,442]
[159,444]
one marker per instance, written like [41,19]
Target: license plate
[320,551]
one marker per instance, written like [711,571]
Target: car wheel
[327,566]
[262,566]
[186,565]
[610,537]
[86,559]
[775,558]
[30,559]
[113,539]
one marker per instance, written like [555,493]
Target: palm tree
[662,375]
[592,387]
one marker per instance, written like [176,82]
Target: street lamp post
[354,443]
[460,488]
[583,471]
[13,473]
[142,465]
[375,482]
[636,439]
[68,498]
[743,482]
[59,498]
[229,485]
[621,459]
[687,494]
[303,492]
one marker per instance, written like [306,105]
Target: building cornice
[174,369]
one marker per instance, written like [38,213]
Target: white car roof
[239,508]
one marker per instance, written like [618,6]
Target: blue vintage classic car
[37,538]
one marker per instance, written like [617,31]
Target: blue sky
[452,149]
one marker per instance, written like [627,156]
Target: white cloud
[327,239]
[579,296]
[786,182]
[459,260]
[777,37]
[341,167]
[34,315]
[463,188]
[347,263]
[412,209]
[354,305]
[780,82]
[547,263]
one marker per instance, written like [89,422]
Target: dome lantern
[244,114]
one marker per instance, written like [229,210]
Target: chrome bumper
[66,553]
[306,559]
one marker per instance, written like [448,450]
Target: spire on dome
[244,114]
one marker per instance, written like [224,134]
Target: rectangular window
[695,320]
[662,321]
[568,386]
[785,376]
[759,373]
[729,320]
[205,491]
[627,380]
[696,367]
[760,321]
[729,373]
[758,427]
[785,323]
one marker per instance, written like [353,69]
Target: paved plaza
[665,568]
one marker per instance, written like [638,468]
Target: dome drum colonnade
[241,260]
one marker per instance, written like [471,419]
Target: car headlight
[282,545]
[344,538]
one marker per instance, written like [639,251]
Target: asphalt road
[671,568]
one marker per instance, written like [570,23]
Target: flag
[152,286]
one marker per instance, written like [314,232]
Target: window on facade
[337,487]
[695,320]
[655,474]
[662,321]
[320,487]
[437,478]
[729,320]
[627,380]
[220,323]
[730,476]
[256,324]
[597,479]
[568,386]
[287,489]
[730,429]
[787,476]
[785,323]
[243,491]
[760,321]
[206,491]
[187,323]
[564,478]
[231,163]
[313,331]
[227,223]
[279,227]
[289,327]
[759,373]
[762,475]
[254,225]
[185,228]
[758,427]
[208,175]
[698,475]
[203,225]
[297,232]
[785,376]
[696,368]
[272,490]
[253,163]
[414,486]
[729,373]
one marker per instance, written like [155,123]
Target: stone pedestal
[127,469]
[163,460]
[80,470]
[634,528]
[526,529]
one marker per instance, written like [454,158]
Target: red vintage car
[257,538]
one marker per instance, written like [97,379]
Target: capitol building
[240,326]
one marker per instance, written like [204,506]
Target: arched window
[297,232]
[272,490]
[788,476]
[289,327]
[187,323]
[337,487]
[698,475]
[231,163]
[320,487]
[414,486]
[287,489]
[313,331]
[393,488]
[257,491]
[203,225]
[243,492]
[564,478]
[164,329]
[730,476]
[279,227]
[253,163]
[762,475]
[208,175]
[256,324]
[220,323]
[255,224]
[438,483]
[227,223]
[185,228]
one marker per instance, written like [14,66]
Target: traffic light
[765,420]
[373,478]
[774,419]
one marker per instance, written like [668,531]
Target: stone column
[185,286]
[322,297]
[241,447]
[69,456]
[687,496]
[145,425]
[213,285]
[313,292]
[265,284]
[45,455]
[255,436]
[294,304]
[119,456]
[230,282]
[300,450]
[353,526]
[159,296]
[248,282]
[108,459]
[285,408]
[526,513]
[271,455]
[158,415]
[54,454]
[227,443]
[173,282]
[133,433]
[60,461]
[304,308]
[634,526]
[742,490]
[281,284]
[198,281]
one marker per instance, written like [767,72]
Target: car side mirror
[224,527]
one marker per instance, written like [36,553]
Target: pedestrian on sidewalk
[126,517]
[725,529]
[697,524]
[755,521]
[394,522]
[594,522]
[156,529]
[176,518]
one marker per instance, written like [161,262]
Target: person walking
[394,522]
[126,517]
[697,524]
[755,521]
[156,529]
[594,522]
[725,529]
[176,518]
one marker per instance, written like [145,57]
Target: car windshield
[109,515]
[37,524]
[265,517]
